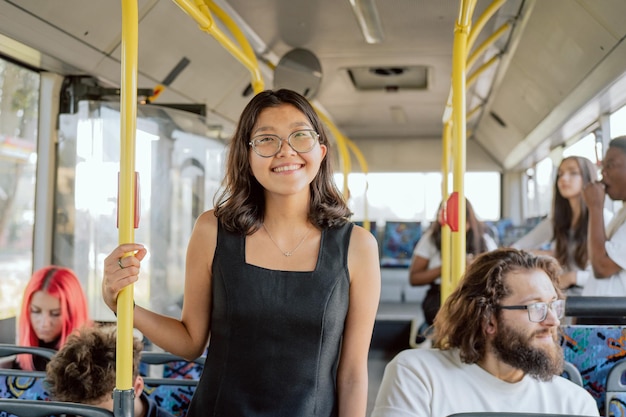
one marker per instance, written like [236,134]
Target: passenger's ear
[491,325]
[138,386]
[324,149]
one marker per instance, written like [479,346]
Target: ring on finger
[119,262]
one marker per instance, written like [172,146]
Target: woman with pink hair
[54,305]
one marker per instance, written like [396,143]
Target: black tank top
[275,335]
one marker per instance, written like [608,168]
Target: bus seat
[23,385]
[172,395]
[506,414]
[616,391]
[20,384]
[34,408]
[593,350]
[7,349]
[173,366]
[572,373]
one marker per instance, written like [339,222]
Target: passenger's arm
[187,337]
[419,274]
[364,269]
[603,266]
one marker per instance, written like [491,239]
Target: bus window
[19,101]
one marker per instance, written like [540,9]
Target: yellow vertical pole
[446,282]
[126,204]
[344,154]
[459,58]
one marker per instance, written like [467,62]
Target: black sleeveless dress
[275,335]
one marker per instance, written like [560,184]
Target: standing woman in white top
[568,232]
[425,266]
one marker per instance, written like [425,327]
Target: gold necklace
[290,252]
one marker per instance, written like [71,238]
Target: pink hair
[59,282]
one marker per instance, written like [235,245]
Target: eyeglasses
[537,312]
[301,141]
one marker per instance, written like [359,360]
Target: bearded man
[495,347]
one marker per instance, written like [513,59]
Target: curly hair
[462,320]
[562,217]
[240,206]
[59,282]
[83,371]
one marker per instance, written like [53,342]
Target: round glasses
[301,141]
[537,312]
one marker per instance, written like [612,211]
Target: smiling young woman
[285,286]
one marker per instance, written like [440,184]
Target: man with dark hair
[607,247]
[83,371]
[496,347]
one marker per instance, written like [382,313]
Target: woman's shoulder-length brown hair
[241,204]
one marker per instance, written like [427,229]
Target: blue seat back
[616,391]
[172,395]
[594,350]
[173,366]
[23,385]
[34,408]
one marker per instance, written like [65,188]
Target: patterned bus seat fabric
[172,366]
[35,408]
[616,391]
[172,395]
[182,370]
[616,405]
[23,385]
[594,350]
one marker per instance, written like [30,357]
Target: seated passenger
[53,305]
[83,371]
[496,347]
[425,266]
[565,230]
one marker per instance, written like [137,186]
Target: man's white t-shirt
[435,383]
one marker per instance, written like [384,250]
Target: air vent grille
[391,78]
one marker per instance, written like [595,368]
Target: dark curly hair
[240,207]
[83,371]
[461,320]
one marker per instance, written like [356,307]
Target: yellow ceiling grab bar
[200,12]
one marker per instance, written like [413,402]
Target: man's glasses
[301,141]
[537,312]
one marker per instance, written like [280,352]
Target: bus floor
[390,336]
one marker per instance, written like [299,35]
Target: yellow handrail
[344,154]
[200,13]
[446,282]
[482,21]
[459,59]
[126,203]
[474,76]
[488,42]
[363,164]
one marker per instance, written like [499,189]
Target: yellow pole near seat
[363,164]
[459,58]
[446,282]
[344,154]
[124,393]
